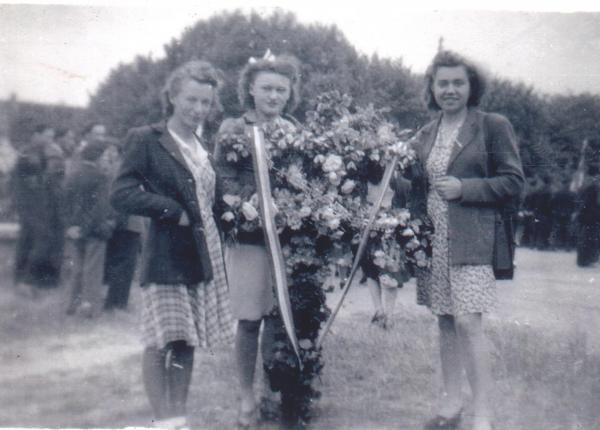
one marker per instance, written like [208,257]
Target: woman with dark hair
[167,175]
[268,90]
[468,165]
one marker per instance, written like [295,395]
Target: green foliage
[129,96]
[550,129]
[571,119]
[24,117]
[525,110]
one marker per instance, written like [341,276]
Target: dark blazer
[471,218]
[154,181]
[86,192]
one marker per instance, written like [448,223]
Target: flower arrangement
[319,175]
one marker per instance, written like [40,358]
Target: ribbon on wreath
[276,260]
[364,238]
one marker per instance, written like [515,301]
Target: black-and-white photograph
[261,215]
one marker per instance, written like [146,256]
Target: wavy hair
[200,71]
[285,65]
[477,82]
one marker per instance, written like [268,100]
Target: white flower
[348,186]
[231,199]
[319,159]
[399,148]
[249,211]
[305,211]
[333,178]
[295,177]
[254,200]
[333,223]
[327,213]
[333,163]
[408,232]
[385,132]
[305,343]
[228,216]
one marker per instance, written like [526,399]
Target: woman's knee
[469,325]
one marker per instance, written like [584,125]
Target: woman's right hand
[184,220]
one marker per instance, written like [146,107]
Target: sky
[60,53]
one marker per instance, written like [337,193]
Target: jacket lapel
[428,139]
[465,136]
[166,140]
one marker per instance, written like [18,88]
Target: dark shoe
[379,319]
[440,422]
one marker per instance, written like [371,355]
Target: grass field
[67,372]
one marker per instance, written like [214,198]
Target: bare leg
[451,401]
[389,296]
[246,349]
[179,371]
[475,356]
[155,380]
[375,292]
[266,344]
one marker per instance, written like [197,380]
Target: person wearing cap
[90,224]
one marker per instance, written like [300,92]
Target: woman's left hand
[448,187]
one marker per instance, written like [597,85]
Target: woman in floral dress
[455,187]
[167,175]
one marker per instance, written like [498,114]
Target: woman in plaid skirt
[167,175]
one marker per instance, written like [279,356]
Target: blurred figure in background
[122,248]
[542,209]
[563,214]
[588,224]
[37,186]
[8,158]
[90,225]
[383,287]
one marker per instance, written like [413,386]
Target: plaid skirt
[182,312]
[198,314]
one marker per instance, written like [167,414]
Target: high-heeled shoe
[440,422]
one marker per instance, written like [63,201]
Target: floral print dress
[445,288]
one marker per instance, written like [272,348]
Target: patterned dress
[450,289]
[199,314]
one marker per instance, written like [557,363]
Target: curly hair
[477,82]
[285,65]
[199,71]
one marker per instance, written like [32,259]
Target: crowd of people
[68,232]
[166,186]
[556,215]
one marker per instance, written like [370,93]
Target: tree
[129,96]
[572,119]
[526,111]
